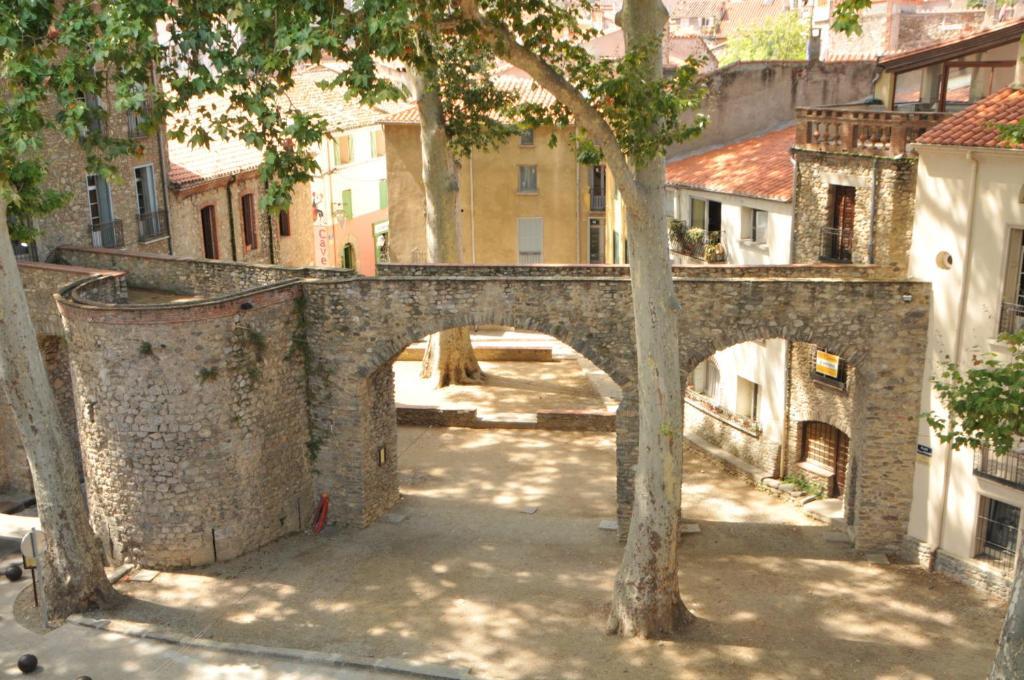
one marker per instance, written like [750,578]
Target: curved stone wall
[193,424]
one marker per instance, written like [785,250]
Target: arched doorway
[824,453]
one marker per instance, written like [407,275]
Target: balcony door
[531,240]
[101,212]
[145,195]
[839,240]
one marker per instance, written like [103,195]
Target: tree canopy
[780,38]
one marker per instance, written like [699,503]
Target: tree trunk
[646,598]
[449,355]
[73,575]
[1009,662]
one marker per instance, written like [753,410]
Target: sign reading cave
[826,364]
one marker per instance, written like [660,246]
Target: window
[382,193]
[106,231]
[747,398]
[596,240]
[997,534]
[94,113]
[698,212]
[597,188]
[527,179]
[837,238]
[828,448]
[284,223]
[705,379]
[376,144]
[1011,318]
[348,256]
[136,121]
[829,368]
[346,203]
[755,224]
[382,243]
[531,240]
[341,150]
[708,215]
[208,218]
[526,138]
[152,223]
[249,221]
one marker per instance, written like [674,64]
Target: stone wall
[186,276]
[41,281]
[179,402]
[295,250]
[886,183]
[746,99]
[66,172]
[815,270]
[742,441]
[973,573]
[193,425]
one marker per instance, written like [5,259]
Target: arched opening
[779,412]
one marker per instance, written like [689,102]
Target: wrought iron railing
[867,130]
[152,225]
[836,244]
[597,202]
[1007,469]
[1011,318]
[107,234]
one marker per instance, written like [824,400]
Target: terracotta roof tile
[975,125]
[758,167]
[677,49]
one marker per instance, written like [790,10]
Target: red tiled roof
[524,87]
[758,167]
[747,13]
[193,165]
[333,104]
[975,125]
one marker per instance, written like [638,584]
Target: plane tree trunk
[646,600]
[448,358]
[1009,661]
[73,575]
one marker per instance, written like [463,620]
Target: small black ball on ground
[12,572]
[27,663]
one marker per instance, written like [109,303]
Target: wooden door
[844,201]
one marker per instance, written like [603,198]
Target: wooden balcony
[864,130]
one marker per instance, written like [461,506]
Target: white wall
[362,175]
[762,363]
[965,315]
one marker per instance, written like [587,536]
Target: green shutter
[346,203]
[383,187]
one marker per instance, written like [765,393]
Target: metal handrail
[836,245]
[111,233]
[152,225]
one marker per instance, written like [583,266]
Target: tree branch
[587,117]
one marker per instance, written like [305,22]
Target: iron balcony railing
[152,225]
[997,535]
[1011,318]
[836,245]
[526,257]
[597,202]
[865,130]
[107,234]
[1007,469]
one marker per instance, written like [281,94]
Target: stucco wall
[969,218]
[489,204]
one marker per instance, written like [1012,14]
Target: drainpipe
[958,345]
[874,211]
[270,231]
[793,211]
[231,218]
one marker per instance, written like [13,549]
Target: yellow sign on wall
[827,364]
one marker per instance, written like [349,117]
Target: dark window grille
[1007,469]
[1011,318]
[997,537]
[837,238]
[152,225]
[25,252]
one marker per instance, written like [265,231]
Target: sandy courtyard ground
[470,580]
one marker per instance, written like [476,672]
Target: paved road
[71,650]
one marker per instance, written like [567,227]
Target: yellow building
[525,202]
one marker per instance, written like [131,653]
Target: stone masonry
[214,424]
